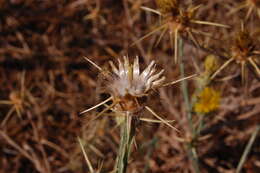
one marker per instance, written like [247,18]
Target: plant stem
[247,149]
[201,125]
[191,149]
[184,86]
[126,140]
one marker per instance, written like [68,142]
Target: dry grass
[46,83]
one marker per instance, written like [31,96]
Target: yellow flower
[208,101]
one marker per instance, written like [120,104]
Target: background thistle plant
[178,21]
[242,51]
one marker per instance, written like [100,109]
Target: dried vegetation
[46,83]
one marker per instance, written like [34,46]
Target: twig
[85,156]
[247,149]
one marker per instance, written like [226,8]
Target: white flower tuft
[127,79]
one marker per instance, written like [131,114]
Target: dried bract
[127,79]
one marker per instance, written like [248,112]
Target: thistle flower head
[208,101]
[126,83]
[127,80]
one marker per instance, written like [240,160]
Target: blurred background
[45,82]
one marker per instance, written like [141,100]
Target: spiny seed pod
[178,21]
[243,46]
[243,52]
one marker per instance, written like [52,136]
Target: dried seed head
[178,20]
[126,83]
[126,80]
[243,46]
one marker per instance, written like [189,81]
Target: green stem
[200,126]
[126,141]
[184,86]
[191,148]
